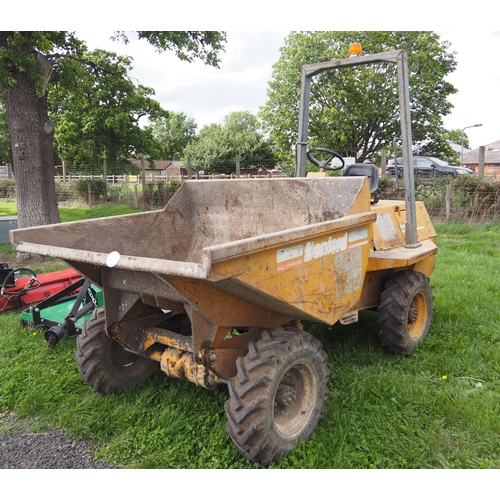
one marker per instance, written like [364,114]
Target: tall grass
[438,408]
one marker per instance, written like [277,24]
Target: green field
[438,408]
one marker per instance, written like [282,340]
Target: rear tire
[104,363]
[405,312]
[277,396]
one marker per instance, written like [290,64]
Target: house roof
[491,155]
[457,147]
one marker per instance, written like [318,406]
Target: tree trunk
[32,135]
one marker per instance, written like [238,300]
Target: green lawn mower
[65,312]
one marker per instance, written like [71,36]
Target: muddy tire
[104,363]
[405,312]
[277,396]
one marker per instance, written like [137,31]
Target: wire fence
[462,199]
[471,199]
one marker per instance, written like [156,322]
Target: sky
[208,94]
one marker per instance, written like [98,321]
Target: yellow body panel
[389,231]
[389,251]
[318,278]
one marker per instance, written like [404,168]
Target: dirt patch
[23,448]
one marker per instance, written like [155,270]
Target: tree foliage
[355,111]
[457,136]
[187,45]
[171,134]
[97,108]
[240,134]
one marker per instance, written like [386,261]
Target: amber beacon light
[355,50]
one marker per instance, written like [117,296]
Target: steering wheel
[324,163]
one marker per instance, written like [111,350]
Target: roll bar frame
[400,58]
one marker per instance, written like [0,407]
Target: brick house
[162,170]
[491,160]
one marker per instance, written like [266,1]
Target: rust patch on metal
[181,364]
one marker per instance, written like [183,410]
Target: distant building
[491,160]
[457,148]
[163,169]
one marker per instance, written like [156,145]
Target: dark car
[428,167]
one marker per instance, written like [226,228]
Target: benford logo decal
[330,246]
[298,254]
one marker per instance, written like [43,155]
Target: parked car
[464,170]
[428,167]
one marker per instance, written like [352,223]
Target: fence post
[135,196]
[105,169]
[383,162]
[448,202]
[238,166]
[482,150]
[143,175]
[90,193]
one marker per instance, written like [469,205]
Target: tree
[240,134]
[96,112]
[244,137]
[457,136]
[356,111]
[209,148]
[26,66]
[171,134]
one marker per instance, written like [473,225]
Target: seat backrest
[363,170]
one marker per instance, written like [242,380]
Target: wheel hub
[285,395]
[294,400]
[412,315]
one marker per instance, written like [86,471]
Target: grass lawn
[438,408]
[69,214]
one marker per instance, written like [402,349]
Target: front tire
[405,312]
[277,396]
[104,363]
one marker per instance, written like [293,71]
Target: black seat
[364,170]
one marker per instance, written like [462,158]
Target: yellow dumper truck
[213,288]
